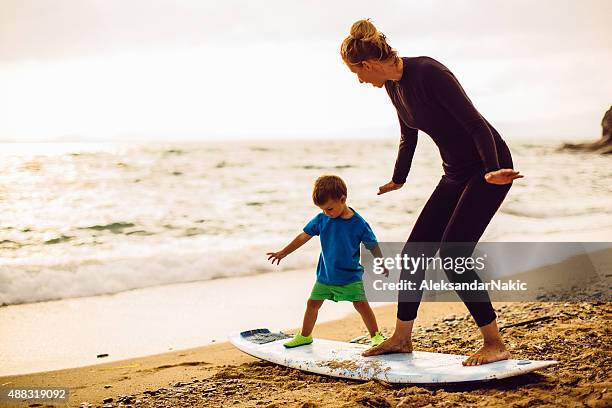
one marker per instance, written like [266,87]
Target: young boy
[339,274]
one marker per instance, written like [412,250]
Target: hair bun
[365,42]
[363,30]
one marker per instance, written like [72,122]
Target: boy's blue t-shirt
[340,240]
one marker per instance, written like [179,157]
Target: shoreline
[188,315]
[137,374]
[182,316]
[575,334]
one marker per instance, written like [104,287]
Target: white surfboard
[344,360]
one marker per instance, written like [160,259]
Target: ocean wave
[320,167]
[58,240]
[10,244]
[547,212]
[115,227]
[118,218]
[21,282]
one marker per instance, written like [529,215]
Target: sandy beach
[219,375]
[574,333]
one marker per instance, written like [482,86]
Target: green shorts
[352,292]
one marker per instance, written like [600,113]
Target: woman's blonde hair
[365,42]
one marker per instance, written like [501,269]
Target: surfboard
[344,360]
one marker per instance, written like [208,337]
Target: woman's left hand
[502,176]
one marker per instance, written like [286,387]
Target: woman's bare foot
[391,345]
[488,354]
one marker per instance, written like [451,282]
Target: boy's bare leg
[310,316]
[399,342]
[493,348]
[367,315]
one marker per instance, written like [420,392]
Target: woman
[477,169]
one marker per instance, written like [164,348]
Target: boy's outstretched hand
[276,256]
[297,242]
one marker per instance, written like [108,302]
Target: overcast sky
[186,69]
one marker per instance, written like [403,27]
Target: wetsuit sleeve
[407,146]
[449,93]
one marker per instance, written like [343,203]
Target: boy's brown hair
[328,187]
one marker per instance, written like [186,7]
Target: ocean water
[89,219]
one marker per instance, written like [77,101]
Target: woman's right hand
[390,186]
[502,176]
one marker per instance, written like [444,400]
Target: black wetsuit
[429,98]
